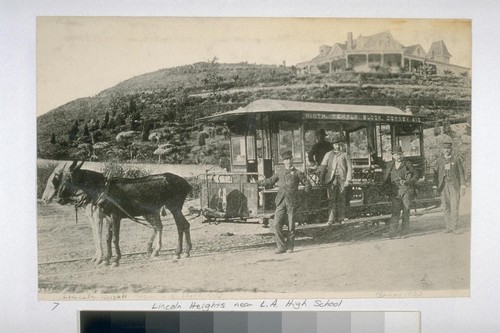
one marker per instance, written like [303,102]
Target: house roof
[415,50]
[380,41]
[277,106]
[330,55]
[437,49]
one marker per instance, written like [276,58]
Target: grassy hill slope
[167,102]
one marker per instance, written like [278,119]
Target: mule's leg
[151,240]
[116,237]
[182,228]
[155,221]
[109,237]
[93,219]
[100,224]
[96,217]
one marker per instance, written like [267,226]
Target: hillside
[155,113]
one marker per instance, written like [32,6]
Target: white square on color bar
[397,322]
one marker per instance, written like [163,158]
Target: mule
[120,198]
[94,214]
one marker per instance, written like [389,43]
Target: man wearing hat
[287,201]
[319,149]
[336,172]
[400,176]
[449,178]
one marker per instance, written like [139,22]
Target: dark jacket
[411,177]
[288,183]
[456,174]
[318,151]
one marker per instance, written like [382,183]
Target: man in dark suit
[449,178]
[400,176]
[287,200]
[319,149]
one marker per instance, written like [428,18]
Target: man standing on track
[400,176]
[449,178]
[287,201]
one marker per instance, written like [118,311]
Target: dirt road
[237,261]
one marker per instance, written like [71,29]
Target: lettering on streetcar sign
[362,117]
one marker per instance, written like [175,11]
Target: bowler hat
[397,150]
[286,154]
[337,138]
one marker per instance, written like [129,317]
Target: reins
[117,205]
[104,196]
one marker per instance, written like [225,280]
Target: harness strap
[105,197]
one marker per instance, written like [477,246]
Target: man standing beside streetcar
[336,172]
[400,176]
[287,201]
[449,178]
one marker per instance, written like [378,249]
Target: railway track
[351,230]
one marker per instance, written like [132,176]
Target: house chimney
[349,41]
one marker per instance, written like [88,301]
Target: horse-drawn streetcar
[264,129]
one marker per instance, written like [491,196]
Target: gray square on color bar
[264,322]
[230,322]
[197,322]
[368,322]
[334,322]
[162,322]
[298,322]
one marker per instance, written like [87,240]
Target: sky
[81,56]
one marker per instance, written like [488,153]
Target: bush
[116,170]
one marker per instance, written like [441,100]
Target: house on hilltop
[380,51]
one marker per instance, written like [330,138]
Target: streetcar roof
[277,106]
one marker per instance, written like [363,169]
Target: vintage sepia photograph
[253,158]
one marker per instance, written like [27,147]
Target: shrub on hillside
[116,170]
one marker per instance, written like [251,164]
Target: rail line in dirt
[353,229]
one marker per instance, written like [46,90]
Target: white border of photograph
[20,309]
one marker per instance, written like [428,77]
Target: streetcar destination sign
[362,117]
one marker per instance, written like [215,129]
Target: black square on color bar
[113,321]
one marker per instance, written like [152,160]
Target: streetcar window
[250,148]
[260,145]
[309,138]
[358,144]
[290,138]
[408,137]
[331,129]
[263,137]
[383,137]
[238,150]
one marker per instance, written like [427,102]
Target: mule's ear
[79,166]
[73,165]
